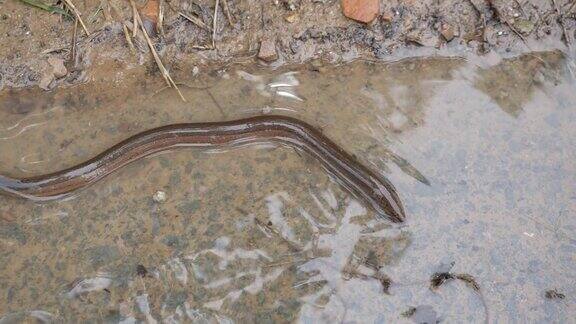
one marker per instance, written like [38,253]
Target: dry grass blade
[106,10]
[561,23]
[195,20]
[128,40]
[480,13]
[74,35]
[227,12]
[115,12]
[517,34]
[94,17]
[77,14]
[572,6]
[202,47]
[519,5]
[163,69]
[159,26]
[214,24]
[135,21]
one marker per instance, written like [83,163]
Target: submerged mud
[481,152]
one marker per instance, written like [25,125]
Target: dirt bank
[38,45]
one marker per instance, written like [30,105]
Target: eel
[362,182]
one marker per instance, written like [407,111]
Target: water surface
[481,151]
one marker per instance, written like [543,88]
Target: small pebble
[447,32]
[159,196]
[291,18]
[141,270]
[387,17]
[58,67]
[422,38]
[554,294]
[46,81]
[268,51]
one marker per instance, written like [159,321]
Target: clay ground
[36,43]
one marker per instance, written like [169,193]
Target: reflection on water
[483,158]
[512,82]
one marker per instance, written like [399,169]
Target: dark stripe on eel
[373,189]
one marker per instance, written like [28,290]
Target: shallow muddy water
[482,153]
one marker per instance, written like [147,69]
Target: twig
[475,7]
[93,17]
[135,21]
[180,84]
[73,50]
[202,47]
[195,20]
[216,103]
[281,263]
[163,69]
[263,226]
[192,18]
[571,7]
[128,40]
[110,11]
[214,24]
[115,12]
[262,23]
[561,22]
[482,17]
[517,33]
[521,9]
[308,282]
[227,12]
[77,14]
[160,17]
[503,19]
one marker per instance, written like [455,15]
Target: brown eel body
[362,182]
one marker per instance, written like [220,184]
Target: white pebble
[159,196]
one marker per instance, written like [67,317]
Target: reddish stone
[387,17]
[151,10]
[361,10]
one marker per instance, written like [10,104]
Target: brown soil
[301,31]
